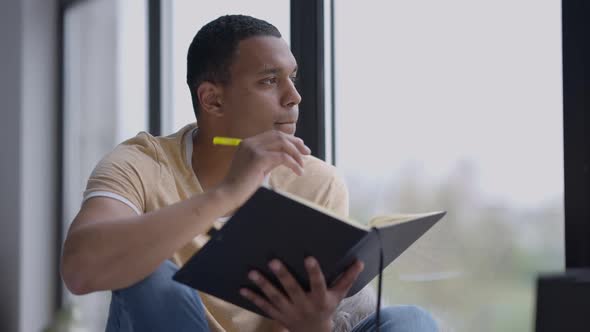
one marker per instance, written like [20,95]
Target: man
[150,202]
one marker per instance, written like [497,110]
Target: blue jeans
[158,303]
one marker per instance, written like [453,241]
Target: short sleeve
[337,197]
[124,173]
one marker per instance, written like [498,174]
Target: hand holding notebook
[277,225]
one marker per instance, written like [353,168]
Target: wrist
[224,197]
[211,204]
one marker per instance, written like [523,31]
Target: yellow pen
[227,141]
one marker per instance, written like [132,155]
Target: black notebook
[275,224]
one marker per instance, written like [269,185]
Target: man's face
[261,94]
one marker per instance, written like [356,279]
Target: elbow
[74,277]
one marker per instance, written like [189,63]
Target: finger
[297,141]
[343,284]
[269,155]
[275,159]
[300,145]
[292,287]
[288,143]
[274,296]
[261,303]
[316,277]
[284,144]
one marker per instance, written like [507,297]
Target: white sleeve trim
[223,219]
[188,143]
[113,196]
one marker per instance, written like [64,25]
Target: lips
[286,127]
[286,122]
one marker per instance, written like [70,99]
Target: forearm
[114,254]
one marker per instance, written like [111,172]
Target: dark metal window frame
[307,45]
[155,66]
[307,40]
[576,131]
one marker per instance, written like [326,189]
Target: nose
[291,97]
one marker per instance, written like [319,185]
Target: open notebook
[275,224]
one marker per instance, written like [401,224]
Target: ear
[210,98]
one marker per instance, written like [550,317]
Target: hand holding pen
[255,157]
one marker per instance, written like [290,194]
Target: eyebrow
[273,70]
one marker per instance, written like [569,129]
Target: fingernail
[243,292]
[253,276]
[274,265]
[310,262]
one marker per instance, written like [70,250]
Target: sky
[439,82]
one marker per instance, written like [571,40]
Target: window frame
[576,131]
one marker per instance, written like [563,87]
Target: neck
[210,163]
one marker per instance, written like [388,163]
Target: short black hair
[213,47]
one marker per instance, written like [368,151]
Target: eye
[269,80]
[293,79]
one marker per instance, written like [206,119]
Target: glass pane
[186,18]
[105,103]
[456,105]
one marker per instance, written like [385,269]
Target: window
[457,106]
[104,104]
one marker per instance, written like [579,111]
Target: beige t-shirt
[148,173]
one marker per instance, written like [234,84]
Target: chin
[287,128]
